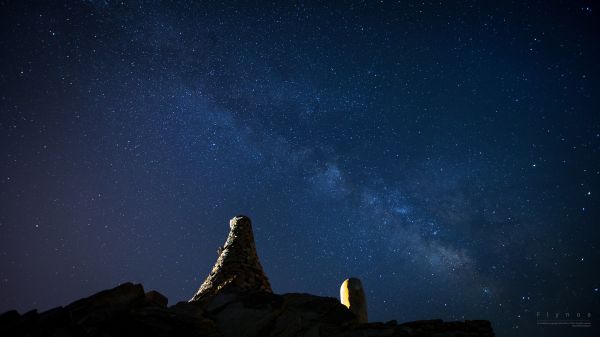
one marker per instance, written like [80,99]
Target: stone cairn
[238,266]
[352,295]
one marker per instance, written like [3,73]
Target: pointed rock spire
[238,265]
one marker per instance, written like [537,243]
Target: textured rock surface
[127,311]
[238,265]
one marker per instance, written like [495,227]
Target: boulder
[153,297]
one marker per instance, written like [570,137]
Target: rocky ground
[129,311]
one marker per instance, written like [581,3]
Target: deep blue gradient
[447,155]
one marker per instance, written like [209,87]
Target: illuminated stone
[238,266]
[352,295]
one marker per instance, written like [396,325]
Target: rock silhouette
[234,301]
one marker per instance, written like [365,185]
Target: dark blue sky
[447,155]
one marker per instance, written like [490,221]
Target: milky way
[446,155]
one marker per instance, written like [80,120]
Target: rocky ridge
[129,311]
[235,300]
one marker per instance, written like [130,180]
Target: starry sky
[446,154]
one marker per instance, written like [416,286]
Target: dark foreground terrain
[129,311]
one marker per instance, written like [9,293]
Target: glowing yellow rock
[352,296]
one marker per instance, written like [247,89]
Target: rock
[28,317]
[352,295]
[9,322]
[53,319]
[252,314]
[11,317]
[103,305]
[237,265]
[268,314]
[127,311]
[305,314]
[153,297]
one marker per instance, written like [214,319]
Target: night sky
[447,155]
